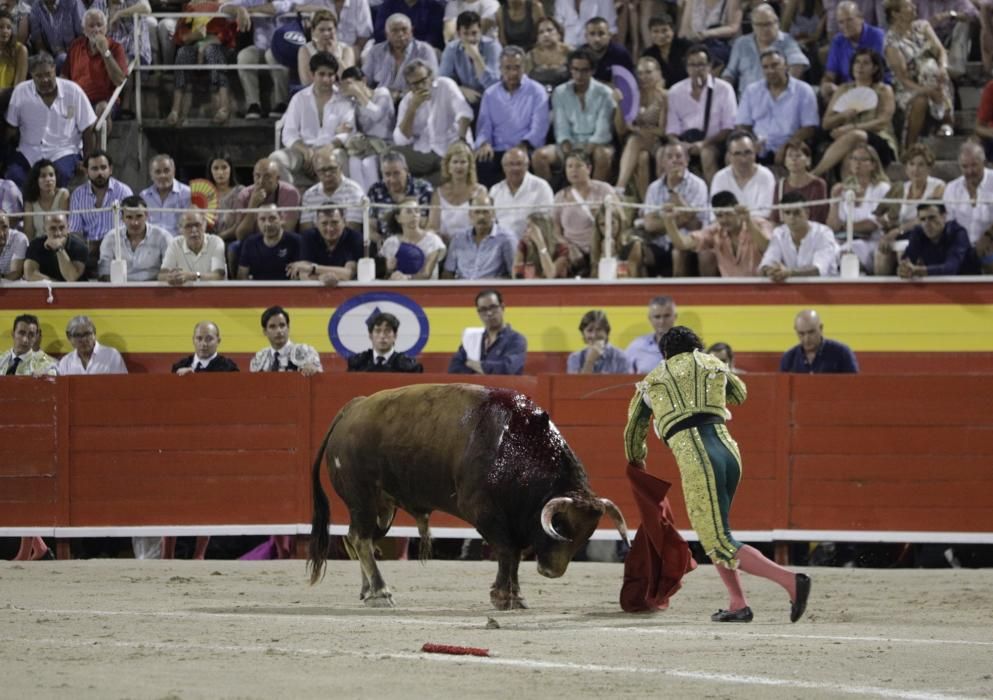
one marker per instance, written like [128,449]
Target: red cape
[659,556]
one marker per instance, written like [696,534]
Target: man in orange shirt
[94,62]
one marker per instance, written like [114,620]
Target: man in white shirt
[142,245]
[753,185]
[88,356]
[573,17]
[520,194]
[332,188]
[55,121]
[431,117]
[969,197]
[165,192]
[799,247]
[13,250]
[195,255]
[319,115]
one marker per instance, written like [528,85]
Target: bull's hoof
[502,600]
[379,601]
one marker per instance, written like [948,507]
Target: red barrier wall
[842,452]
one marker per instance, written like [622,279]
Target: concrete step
[945,147]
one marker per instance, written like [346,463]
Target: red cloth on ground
[659,556]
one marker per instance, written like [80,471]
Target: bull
[489,456]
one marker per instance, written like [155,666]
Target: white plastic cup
[118,271]
[849,266]
[607,270]
[366,270]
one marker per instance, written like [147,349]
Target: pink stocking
[24,552]
[732,581]
[168,547]
[201,549]
[752,561]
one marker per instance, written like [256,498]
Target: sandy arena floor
[177,630]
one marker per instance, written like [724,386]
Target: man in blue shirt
[855,34]
[937,246]
[816,354]
[513,111]
[268,255]
[485,250]
[643,352]
[500,349]
[472,60]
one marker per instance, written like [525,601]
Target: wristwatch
[198,275]
[107,54]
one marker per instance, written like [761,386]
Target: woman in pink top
[575,210]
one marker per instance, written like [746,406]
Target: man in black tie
[382,356]
[206,338]
[22,359]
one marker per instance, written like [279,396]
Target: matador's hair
[677,340]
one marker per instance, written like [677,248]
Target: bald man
[206,338]
[816,354]
[267,188]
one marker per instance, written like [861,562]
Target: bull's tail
[319,537]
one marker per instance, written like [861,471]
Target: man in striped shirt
[99,192]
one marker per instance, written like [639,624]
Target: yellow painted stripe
[870,328]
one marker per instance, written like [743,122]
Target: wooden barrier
[838,453]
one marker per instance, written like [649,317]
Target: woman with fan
[860,112]
[644,134]
[414,253]
[222,178]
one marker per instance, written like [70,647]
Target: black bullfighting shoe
[742,615]
[798,606]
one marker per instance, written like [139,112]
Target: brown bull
[488,456]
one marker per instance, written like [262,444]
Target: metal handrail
[101,123]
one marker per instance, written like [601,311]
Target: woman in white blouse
[400,264]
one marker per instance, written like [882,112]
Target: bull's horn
[615,514]
[554,506]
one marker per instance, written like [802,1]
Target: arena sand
[177,630]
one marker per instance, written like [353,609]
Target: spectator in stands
[41,196]
[260,51]
[799,247]
[854,33]
[517,23]
[100,191]
[984,119]
[583,110]
[166,192]
[483,251]
[324,39]
[676,185]
[899,219]
[968,197]
[750,183]
[643,136]
[724,353]
[426,18]
[731,246]
[53,119]
[354,23]
[202,41]
[384,65]
[220,172]
[54,25]
[920,69]
[937,247]
[19,11]
[283,355]
[540,252]
[803,19]
[745,65]
[414,253]
[668,49]
[142,244]
[431,116]
[267,189]
[573,217]
[13,250]
[88,356]
[599,356]
[56,256]
[520,194]
[865,175]
[195,255]
[513,112]
[606,53]
[954,22]
[450,201]
[778,109]
[851,126]
[13,60]
[573,16]
[397,184]
[375,117]
[714,24]
[205,358]
[11,200]
[471,60]
[627,247]
[496,348]
[333,188]
[548,62]
[383,355]
[267,255]
[701,112]
[798,178]
[96,63]
[486,9]
[816,354]
[330,253]
[121,18]
[318,115]
[643,351]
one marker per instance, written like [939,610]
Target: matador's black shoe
[742,615]
[798,606]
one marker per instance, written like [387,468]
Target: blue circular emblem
[349,333]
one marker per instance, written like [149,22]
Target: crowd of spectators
[705,138]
